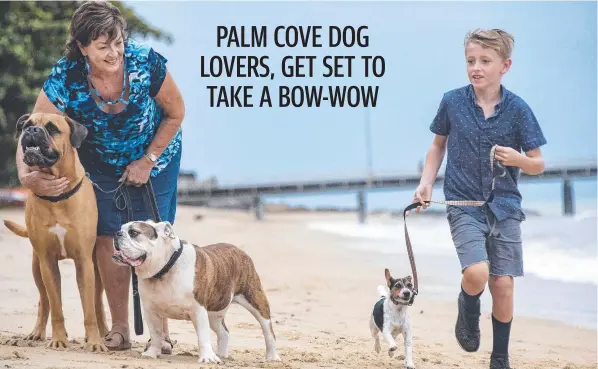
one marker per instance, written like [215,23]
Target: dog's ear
[78,132]
[20,122]
[408,278]
[167,229]
[388,277]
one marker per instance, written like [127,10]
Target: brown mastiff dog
[61,227]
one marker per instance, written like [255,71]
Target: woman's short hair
[91,20]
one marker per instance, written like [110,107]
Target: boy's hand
[422,192]
[508,156]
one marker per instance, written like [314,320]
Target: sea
[559,251]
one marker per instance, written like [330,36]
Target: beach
[321,283]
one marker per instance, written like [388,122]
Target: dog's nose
[406,294]
[119,234]
[33,129]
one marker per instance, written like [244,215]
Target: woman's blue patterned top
[115,140]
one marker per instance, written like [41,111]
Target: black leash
[150,200]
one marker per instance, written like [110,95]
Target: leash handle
[138,318]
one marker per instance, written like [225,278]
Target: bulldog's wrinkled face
[401,289]
[45,138]
[139,241]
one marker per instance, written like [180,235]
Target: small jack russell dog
[391,317]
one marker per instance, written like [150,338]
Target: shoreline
[437,267]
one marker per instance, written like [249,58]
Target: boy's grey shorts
[497,243]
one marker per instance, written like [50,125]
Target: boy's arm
[531,138]
[441,127]
[434,159]
[531,163]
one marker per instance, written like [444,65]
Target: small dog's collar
[400,302]
[170,262]
[63,196]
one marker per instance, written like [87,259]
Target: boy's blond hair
[496,39]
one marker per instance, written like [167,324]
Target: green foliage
[33,35]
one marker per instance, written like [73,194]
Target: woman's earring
[87,63]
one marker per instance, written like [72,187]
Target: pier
[191,193]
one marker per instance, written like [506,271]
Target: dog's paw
[58,342]
[272,356]
[151,353]
[392,351]
[37,334]
[95,346]
[410,366]
[222,350]
[377,347]
[208,357]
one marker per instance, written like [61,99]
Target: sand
[321,294]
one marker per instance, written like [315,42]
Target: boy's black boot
[467,328]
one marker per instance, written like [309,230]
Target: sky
[554,71]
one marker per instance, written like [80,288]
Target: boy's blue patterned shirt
[470,138]
[115,140]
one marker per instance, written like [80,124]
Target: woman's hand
[137,173]
[44,184]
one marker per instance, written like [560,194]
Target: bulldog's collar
[170,262]
[63,196]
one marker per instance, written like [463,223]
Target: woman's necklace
[95,90]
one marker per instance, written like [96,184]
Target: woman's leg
[116,280]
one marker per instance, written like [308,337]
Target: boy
[469,122]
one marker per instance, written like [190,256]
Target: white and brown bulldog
[179,280]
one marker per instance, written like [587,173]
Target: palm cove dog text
[258,68]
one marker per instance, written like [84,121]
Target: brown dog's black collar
[63,196]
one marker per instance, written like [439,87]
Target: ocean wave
[559,248]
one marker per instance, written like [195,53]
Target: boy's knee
[477,274]
[501,286]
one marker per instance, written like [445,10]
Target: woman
[122,93]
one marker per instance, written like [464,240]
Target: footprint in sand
[292,336]
[247,326]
